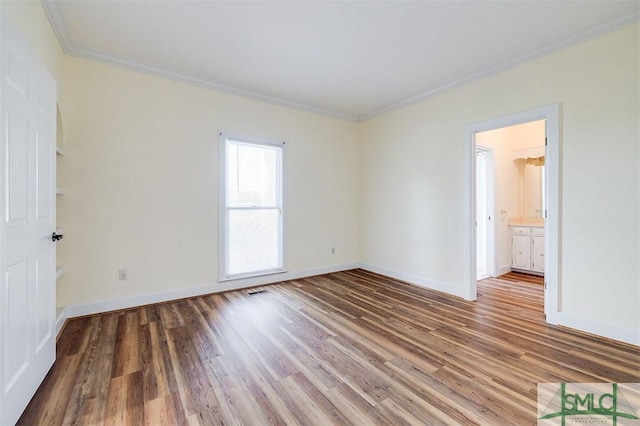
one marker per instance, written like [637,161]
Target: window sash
[245,213]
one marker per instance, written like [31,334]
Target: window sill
[256,275]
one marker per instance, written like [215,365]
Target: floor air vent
[254,292]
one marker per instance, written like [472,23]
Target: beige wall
[31,21]
[140,173]
[413,176]
[141,170]
[141,176]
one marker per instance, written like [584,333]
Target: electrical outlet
[333,250]
[122,274]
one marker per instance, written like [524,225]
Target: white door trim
[550,113]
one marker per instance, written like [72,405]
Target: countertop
[527,221]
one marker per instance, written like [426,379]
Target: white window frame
[223,209]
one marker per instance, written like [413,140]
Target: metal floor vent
[251,293]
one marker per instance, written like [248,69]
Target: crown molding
[57,22]
[562,44]
[60,28]
[114,60]
[59,25]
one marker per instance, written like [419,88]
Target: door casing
[551,115]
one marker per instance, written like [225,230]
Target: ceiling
[351,59]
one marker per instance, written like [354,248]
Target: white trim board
[597,328]
[61,319]
[551,114]
[555,47]
[503,269]
[415,280]
[52,10]
[561,319]
[217,287]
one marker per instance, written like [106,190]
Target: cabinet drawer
[537,232]
[520,230]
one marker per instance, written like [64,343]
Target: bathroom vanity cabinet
[527,249]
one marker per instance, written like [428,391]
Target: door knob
[56,237]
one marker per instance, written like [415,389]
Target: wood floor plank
[267,398]
[116,411]
[347,348]
[164,411]
[57,382]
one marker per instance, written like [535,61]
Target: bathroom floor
[521,277]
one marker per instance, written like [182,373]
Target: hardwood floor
[345,348]
[522,278]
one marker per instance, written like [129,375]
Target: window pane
[252,179]
[253,241]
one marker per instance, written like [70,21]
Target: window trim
[222,206]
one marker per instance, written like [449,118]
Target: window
[251,208]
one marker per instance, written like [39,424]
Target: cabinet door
[521,253]
[537,254]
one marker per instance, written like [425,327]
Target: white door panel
[17,173]
[15,344]
[44,265]
[17,75]
[43,166]
[27,209]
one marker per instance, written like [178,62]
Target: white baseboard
[562,318]
[416,280]
[504,269]
[61,317]
[217,287]
[589,325]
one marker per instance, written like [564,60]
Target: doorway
[550,114]
[509,182]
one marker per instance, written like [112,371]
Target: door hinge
[545,141]
[545,285]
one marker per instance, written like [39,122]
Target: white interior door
[485,249]
[28,205]
[481,214]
